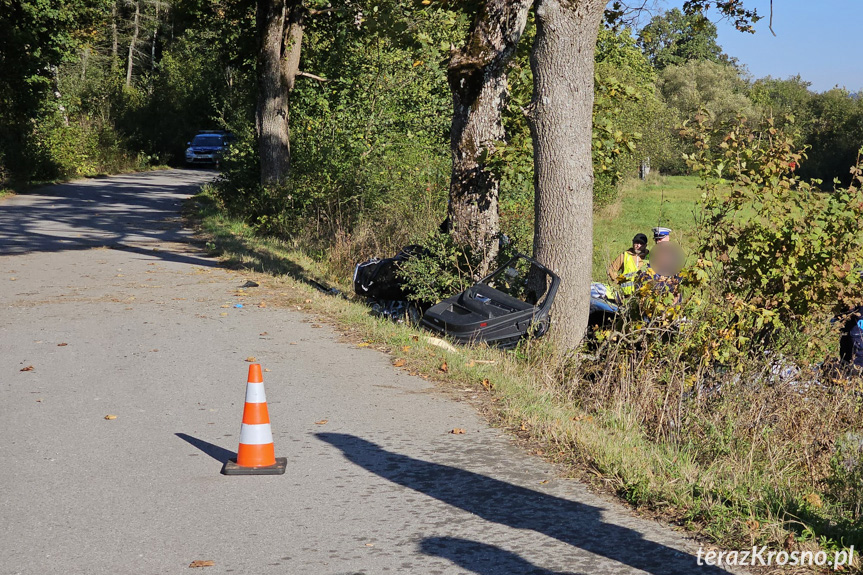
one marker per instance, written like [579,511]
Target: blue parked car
[208,147]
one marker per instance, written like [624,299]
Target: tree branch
[312,12]
[312,76]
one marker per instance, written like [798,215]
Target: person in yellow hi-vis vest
[627,265]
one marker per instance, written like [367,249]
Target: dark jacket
[856,337]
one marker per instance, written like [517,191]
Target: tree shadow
[132,213]
[220,454]
[497,501]
[125,212]
[482,558]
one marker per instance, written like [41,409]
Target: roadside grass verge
[733,480]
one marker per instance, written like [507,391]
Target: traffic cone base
[231,468]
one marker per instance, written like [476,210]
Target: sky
[822,40]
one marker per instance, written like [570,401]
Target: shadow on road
[482,558]
[132,212]
[220,454]
[517,507]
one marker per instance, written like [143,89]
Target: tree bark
[477,78]
[272,113]
[114,37]
[132,42]
[561,125]
[155,35]
[292,43]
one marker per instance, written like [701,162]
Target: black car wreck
[512,303]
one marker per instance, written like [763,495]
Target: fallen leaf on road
[487,384]
[223,314]
[543,482]
[263,333]
[202,563]
[523,426]
[266,369]
[226,305]
[370,544]
[415,338]
[293,343]
[406,348]
[110,417]
[12,279]
[457,431]
[444,367]
[316,325]
[321,422]
[62,344]
[251,358]
[28,368]
[39,400]
[398,363]
[262,304]
[364,344]
[154,350]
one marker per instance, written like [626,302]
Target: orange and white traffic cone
[256,455]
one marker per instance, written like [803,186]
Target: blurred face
[637,246]
[666,259]
[662,239]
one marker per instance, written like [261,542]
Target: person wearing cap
[624,269]
[663,269]
[661,235]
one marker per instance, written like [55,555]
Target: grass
[705,484]
[667,201]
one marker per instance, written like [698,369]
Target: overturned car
[510,304]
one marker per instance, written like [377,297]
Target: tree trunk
[477,78]
[292,43]
[272,114]
[132,42]
[114,37]
[155,35]
[561,125]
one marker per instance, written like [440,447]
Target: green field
[668,201]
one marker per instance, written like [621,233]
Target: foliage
[442,269]
[835,135]
[790,254]
[697,85]
[787,101]
[675,38]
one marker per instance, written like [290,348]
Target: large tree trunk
[477,77]
[561,126]
[272,114]
[135,29]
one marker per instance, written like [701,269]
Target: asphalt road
[118,315]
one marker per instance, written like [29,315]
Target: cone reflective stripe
[256,454]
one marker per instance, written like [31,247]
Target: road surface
[105,309]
